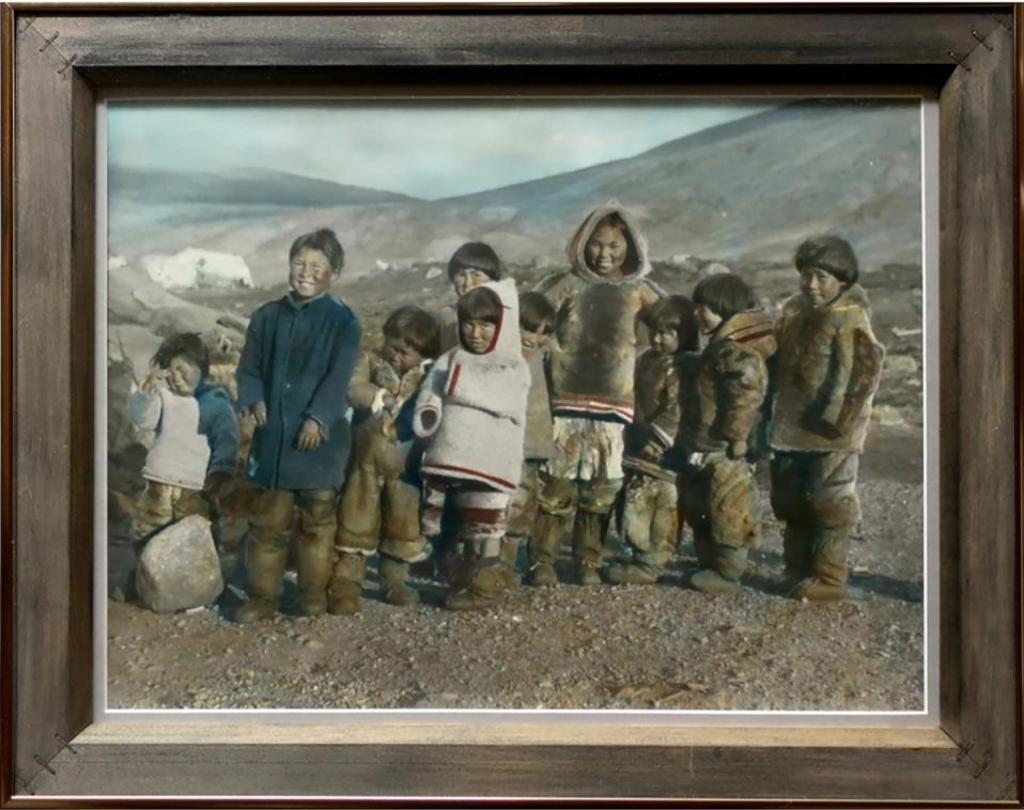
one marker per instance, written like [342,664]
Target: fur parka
[723,402]
[593,350]
[651,437]
[477,406]
[827,371]
[372,379]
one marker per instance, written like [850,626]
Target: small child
[193,457]
[472,411]
[828,368]
[721,411]
[293,380]
[379,508]
[651,502]
[592,361]
[473,264]
[536,321]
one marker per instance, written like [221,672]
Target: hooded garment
[828,366]
[723,401]
[480,402]
[594,344]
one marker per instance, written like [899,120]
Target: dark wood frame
[56,61]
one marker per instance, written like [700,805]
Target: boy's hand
[737,450]
[310,436]
[153,379]
[218,485]
[653,449]
[258,412]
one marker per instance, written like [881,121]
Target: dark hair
[536,314]
[831,254]
[724,294]
[479,304]
[615,220]
[476,255]
[188,345]
[326,242]
[673,312]
[417,327]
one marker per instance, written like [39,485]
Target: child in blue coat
[293,379]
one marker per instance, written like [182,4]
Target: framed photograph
[523,403]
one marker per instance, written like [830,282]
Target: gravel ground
[569,647]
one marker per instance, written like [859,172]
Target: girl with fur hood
[721,411]
[592,360]
[472,412]
[829,363]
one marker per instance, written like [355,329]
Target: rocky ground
[569,647]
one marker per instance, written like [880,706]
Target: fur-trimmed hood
[636,266]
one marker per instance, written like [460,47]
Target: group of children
[531,416]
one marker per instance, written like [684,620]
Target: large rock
[179,567]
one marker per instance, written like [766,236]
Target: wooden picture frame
[59,60]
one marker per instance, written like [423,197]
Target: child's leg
[359,523]
[266,554]
[522,515]
[836,511]
[694,496]
[651,522]
[317,527]
[189,502]
[153,511]
[482,524]
[597,497]
[734,527]
[790,481]
[401,543]
[556,504]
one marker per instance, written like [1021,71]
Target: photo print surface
[520,404]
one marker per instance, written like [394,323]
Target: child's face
[400,355]
[819,286]
[707,319]
[183,376]
[309,274]
[467,278]
[532,342]
[665,341]
[606,250]
[477,336]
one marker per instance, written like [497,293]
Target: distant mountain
[242,187]
[746,192]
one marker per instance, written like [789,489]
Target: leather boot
[632,572]
[588,546]
[542,549]
[346,587]
[509,561]
[724,576]
[483,588]
[393,574]
[827,582]
[315,565]
[265,561]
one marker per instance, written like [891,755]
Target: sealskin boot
[631,572]
[509,559]
[482,590]
[588,546]
[344,597]
[542,550]
[797,541]
[724,577]
[393,574]
[265,561]
[827,582]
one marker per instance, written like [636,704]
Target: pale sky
[425,149]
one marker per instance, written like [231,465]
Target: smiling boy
[293,380]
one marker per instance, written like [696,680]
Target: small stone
[313,644]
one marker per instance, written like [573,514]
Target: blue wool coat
[298,359]
[218,423]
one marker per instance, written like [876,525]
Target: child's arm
[251,398]
[665,424]
[851,320]
[330,400]
[145,406]
[742,385]
[426,418]
[361,391]
[218,422]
